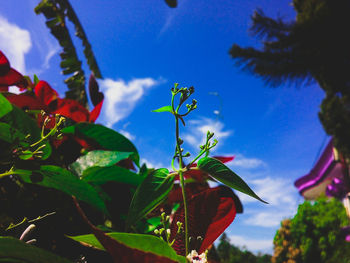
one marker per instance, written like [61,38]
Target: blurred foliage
[313,234]
[314,47]
[229,253]
[57,12]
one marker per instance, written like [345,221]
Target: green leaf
[63,180]
[151,192]
[5,106]
[224,175]
[14,250]
[104,137]
[98,158]
[25,155]
[10,134]
[21,121]
[36,80]
[164,109]
[102,175]
[146,243]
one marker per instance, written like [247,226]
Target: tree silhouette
[315,47]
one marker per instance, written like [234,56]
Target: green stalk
[182,181]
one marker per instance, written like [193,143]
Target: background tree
[229,253]
[313,235]
[313,47]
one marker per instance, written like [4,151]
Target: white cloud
[15,42]
[127,134]
[271,218]
[199,128]
[251,244]
[152,164]
[281,196]
[121,97]
[247,163]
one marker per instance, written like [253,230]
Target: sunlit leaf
[103,137]
[151,192]
[5,106]
[225,175]
[14,250]
[98,158]
[164,109]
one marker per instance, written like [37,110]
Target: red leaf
[210,212]
[25,101]
[4,64]
[224,159]
[45,93]
[120,252]
[70,109]
[95,112]
[95,95]
[127,164]
[13,78]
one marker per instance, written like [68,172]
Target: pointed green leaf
[5,106]
[151,192]
[61,179]
[98,158]
[146,243]
[104,137]
[224,175]
[164,109]
[102,175]
[14,250]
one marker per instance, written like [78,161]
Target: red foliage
[210,212]
[9,76]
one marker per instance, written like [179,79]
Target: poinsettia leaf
[26,102]
[4,64]
[95,95]
[13,78]
[171,3]
[5,106]
[211,212]
[44,92]
[63,180]
[98,158]
[102,175]
[95,112]
[164,109]
[71,109]
[226,176]
[126,249]
[103,137]
[150,193]
[14,250]
[145,243]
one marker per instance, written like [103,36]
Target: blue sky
[143,47]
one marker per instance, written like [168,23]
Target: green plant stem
[182,181]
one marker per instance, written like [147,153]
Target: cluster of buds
[208,144]
[164,232]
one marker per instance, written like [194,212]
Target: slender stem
[182,181]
